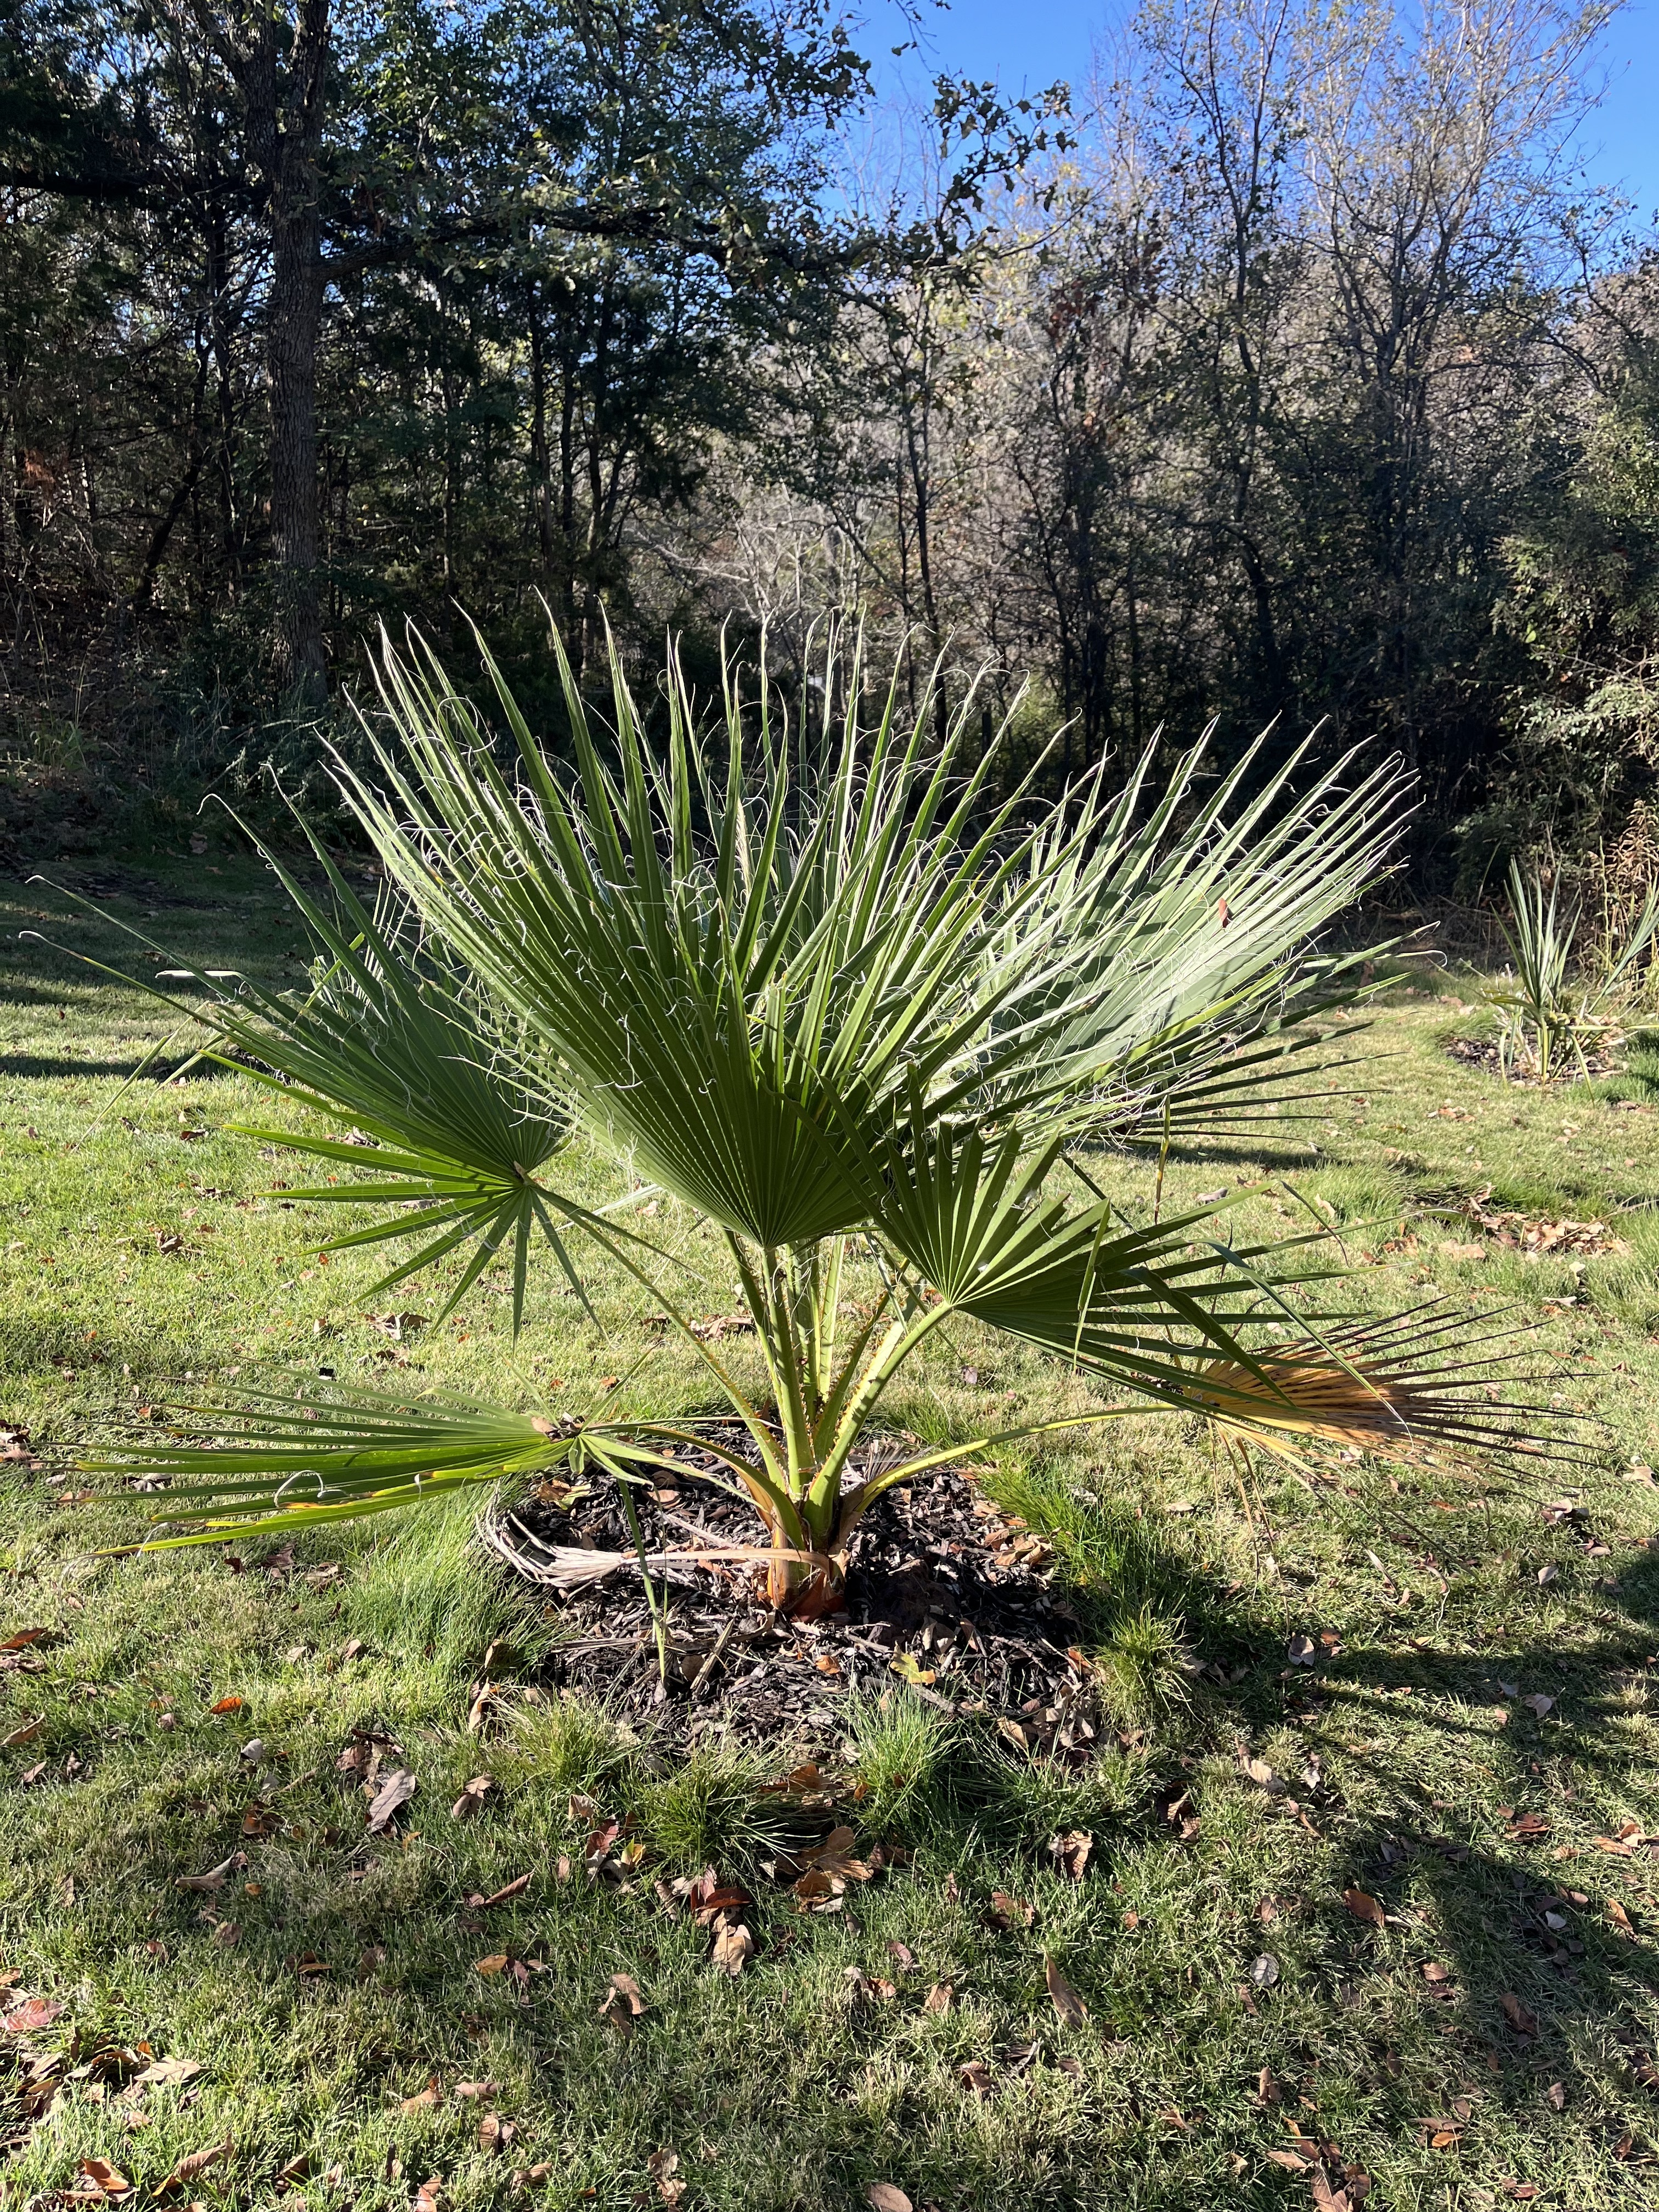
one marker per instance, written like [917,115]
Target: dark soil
[945,1595]
[1482,1053]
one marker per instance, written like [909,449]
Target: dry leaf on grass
[976,2075]
[169,2072]
[516,1887]
[1343,2195]
[621,2003]
[1522,2021]
[389,1800]
[98,2178]
[1264,1777]
[495,2133]
[35,2013]
[733,1944]
[1072,1849]
[1066,2002]
[198,2162]
[834,1858]
[25,1733]
[423,2099]
[1364,1906]
[663,2166]
[1006,1911]
[886,2196]
[427,2195]
[938,1999]
[473,1794]
[1434,1973]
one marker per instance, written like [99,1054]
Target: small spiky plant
[1543,1014]
[819,986]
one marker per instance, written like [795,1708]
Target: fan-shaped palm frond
[448,1117]
[820,984]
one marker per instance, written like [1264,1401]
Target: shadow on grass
[171,1064]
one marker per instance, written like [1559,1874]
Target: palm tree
[813,980]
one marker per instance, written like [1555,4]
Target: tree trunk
[285,127]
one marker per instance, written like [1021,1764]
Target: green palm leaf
[321,1451]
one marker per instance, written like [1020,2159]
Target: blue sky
[1029,43]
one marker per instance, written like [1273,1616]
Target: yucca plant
[811,979]
[1543,1012]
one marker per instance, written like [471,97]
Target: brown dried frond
[1396,1387]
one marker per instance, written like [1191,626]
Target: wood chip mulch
[947,1598]
[1482,1053]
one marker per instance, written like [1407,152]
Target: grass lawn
[1470,1743]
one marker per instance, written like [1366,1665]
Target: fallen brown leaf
[1066,2002]
[476,2089]
[389,1800]
[198,2162]
[1364,1907]
[473,1794]
[663,2166]
[886,2196]
[106,2180]
[732,1945]
[621,2003]
[1072,1849]
[25,1733]
[423,2099]
[516,1887]
[938,1999]
[1006,1911]
[494,1964]
[495,2133]
[1522,2021]
[169,2073]
[977,2076]
[834,1857]
[34,2014]
[427,2195]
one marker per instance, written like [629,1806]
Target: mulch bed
[1483,1054]
[947,1598]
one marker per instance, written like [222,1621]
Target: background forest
[1292,370]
